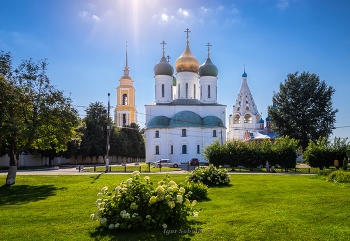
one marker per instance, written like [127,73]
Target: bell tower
[125,111]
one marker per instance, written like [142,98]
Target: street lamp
[108,131]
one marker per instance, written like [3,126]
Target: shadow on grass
[173,233]
[96,177]
[21,194]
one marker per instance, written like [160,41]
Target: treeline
[91,141]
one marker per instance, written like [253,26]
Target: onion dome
[208,69]
[163,68]
[187,62]
[267,119]
[244,74]
[261,121]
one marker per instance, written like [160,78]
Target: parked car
[194,162]
[166,163]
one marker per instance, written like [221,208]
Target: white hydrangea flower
[103,221]
[116,225]
[179,198]
[195,215]
[194,202]
[104,189]
[99,194]
[136,173]
[111,226]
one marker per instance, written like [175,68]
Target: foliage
[210,176]
[345,164]
[135,204]
[339,176]
[34,114]
[322,152]
[251,154]
[195,190]
[302,109]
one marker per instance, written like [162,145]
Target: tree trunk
[11,175]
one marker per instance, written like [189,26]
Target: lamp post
[108,130]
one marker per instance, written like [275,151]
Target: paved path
[74,171]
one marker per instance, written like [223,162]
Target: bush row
[282,152]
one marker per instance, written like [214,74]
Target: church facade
[245,121]
[186,114]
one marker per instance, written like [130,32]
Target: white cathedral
[186,114]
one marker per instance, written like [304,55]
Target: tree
[34,115]
[302,109]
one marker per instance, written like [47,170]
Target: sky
[84,44]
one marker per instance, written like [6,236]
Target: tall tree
[95,133]
[302,109]
[34,115]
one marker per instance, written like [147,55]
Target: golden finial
[187,31]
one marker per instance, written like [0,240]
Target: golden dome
[187,62]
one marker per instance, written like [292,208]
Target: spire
[126,68]
[163,43]
[244,74]
[208,44]
[187,31]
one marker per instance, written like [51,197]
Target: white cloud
[184,12]
[165,17]
[283,4]
[83,14]
[96,18]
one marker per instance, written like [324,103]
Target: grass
[254,207]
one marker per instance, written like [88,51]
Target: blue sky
[84,43]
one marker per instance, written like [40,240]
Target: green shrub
[324,172]
[339,176]
[210,176]
[196,190]
[345,164]
[136,204]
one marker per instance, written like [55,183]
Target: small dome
[185,118]
[126,77]
[267,119]
[158,122]
[244,74]
[212,121]
[208,69]
[261,121]
[187,62]
[163,68]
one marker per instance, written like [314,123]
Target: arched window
[208,91]
[171,149]
[157,134]
[214,133]
[183,132]
[198,149]
[186,90]
[184,149]
[237,119]
[125,99]
[247,118]
[178,91]
[162,90]
[194,91]
[157,150]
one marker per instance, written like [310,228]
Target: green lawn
[254,207]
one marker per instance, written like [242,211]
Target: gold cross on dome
[187,31]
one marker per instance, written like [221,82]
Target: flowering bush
[136,204]
[210,176]
[196,190]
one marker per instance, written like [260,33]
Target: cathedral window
[198,149]
[178,91]
[124,119]
[214,133]
[208,91]
[171,149]
[125,99]
[157,134]
[157,150]
[237,119]
[247,118]
[194,91]
[247,108]
[184,149]
[183,133]
[162,90]
[186,90]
